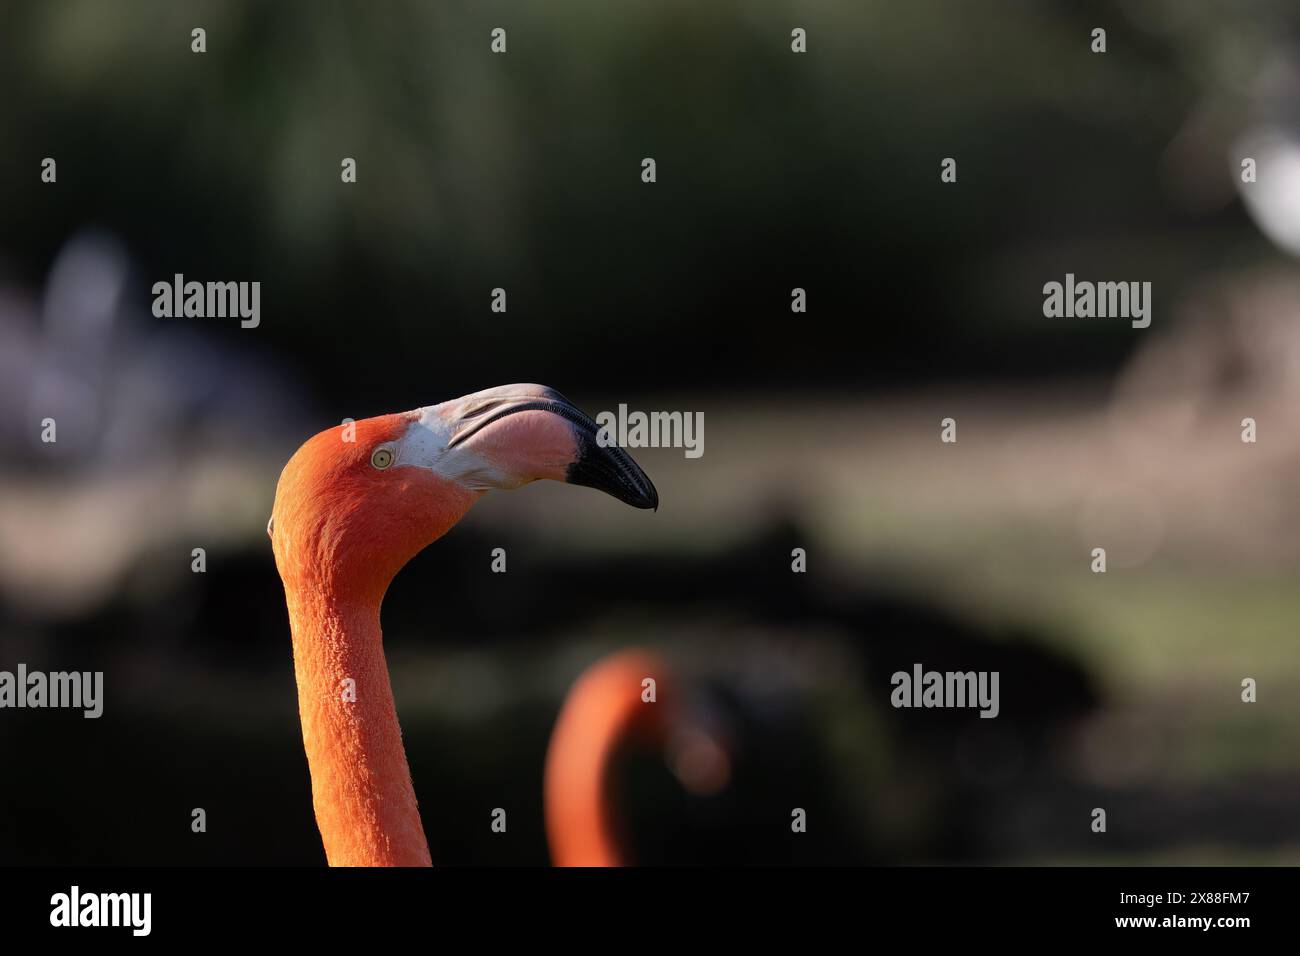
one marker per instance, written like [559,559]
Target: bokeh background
[775,170]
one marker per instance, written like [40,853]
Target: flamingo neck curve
[341,531]
[603,712]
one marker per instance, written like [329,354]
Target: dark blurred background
[775,170]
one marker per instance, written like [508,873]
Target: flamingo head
[359,500]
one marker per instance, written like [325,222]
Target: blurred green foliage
[522,171]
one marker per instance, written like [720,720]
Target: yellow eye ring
[381,458]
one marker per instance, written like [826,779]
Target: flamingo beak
[507,436]
[606,468]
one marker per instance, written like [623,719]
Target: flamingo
[606,710]
[351,508]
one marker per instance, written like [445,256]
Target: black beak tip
[612,470]
[646,500]
[649,501]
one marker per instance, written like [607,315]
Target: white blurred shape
[1273,200]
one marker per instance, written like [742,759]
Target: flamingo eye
[381,458]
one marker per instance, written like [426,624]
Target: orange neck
[340,531]
[361,784]
[602,712]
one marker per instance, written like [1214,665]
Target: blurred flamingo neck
[361,783]
[604,711]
